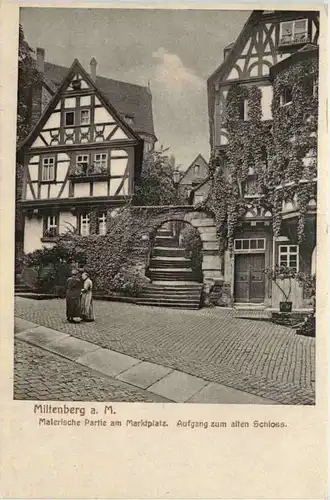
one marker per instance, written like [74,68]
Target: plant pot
[285,307]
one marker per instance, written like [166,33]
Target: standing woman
[86,298]
[73,297]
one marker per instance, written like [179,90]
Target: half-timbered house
[195,174]
[81,158]
[268,53]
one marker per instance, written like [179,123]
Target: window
[129,119]
[48,169]
[100,162]
[82,163]
[250,244]
[288,256]
[85,117]
[294,32]
[286,96]
[102,224]
[84,224]
[51,225]
[250,187]
[197,169]
[69,118]
[243,109]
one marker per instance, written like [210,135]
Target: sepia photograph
[166,206]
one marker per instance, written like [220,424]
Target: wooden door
[249,278]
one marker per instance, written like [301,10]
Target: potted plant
[279,275]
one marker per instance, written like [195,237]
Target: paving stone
[177,386]
[144,374]
[108,362]
[216,393]
[21,325]
[42,336]
[71,347]
[35,364]
[209,343]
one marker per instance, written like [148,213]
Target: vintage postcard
[164,250]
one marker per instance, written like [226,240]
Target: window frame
[282,95]
[48,227]
[44,166]
[249,249]
[288,253]
[82,162]
[85,110]
[83,216]
[66,112]
[197,170]
[102,222]
[292,41]
[96,162]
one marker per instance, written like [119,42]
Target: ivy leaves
[281,156]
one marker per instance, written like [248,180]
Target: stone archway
[205,224]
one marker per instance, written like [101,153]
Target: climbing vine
[277,158]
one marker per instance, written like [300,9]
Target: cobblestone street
[40,375]
[258,357]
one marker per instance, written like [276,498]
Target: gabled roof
[76,67]
[127,98]
[199,157]
[242,38]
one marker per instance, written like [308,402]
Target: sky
[174,51]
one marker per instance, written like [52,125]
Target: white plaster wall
[54,190]
[44,191]
[81,190]
[100,189]
[102,116]
[266,102]
[62,169]
[66,218]
[34,171]
[32,234]
[70,102]
[114,185]
[118,166]
[85,100]
[54,121]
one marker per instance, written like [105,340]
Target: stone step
[159,251]
[175,288]
[22,288]
[163,303]
[164,232]
[175,283]
[158,263]
[171,273]
[166,241]
[176,294]
[162,277]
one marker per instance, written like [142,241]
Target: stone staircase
[172,278]
[21,287]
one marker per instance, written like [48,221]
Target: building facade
[81,161]
[263,103]
[195,174]
[132,102]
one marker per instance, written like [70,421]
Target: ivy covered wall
[280,156]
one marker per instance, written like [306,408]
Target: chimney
[41,59]
[93,65]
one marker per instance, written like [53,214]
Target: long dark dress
[73,297]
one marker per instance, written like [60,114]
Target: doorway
[249,278]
